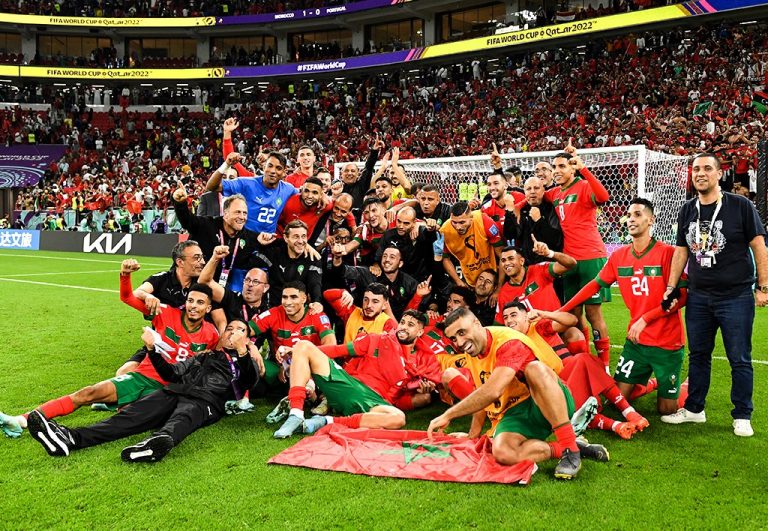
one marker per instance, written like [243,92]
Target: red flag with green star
[403,454]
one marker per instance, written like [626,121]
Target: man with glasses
[228,230]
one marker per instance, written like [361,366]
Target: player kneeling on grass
[583,373]
[525,414]
[194,397]
[385,368]
[183,333]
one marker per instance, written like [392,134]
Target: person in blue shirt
[266,195]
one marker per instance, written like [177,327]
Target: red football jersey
[377,361]
[535,291]
[168,323]
[496,212]
[285,332]
[577,210]
[295,209]
[369,239]
[643,281]
[297,179]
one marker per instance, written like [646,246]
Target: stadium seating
[627,90]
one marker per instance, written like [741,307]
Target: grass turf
[58,339]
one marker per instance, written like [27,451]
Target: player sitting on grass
[583,373]
[518,388]
[194,398]
[183,333]
[385,368]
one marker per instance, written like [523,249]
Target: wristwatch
[762,289]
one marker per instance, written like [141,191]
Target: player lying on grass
[518,388]
[583,373]
[183,334]
[194,397]
[386,369]
[655,335]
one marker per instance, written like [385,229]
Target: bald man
[543,170]
[414,241]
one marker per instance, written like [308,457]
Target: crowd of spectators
[639,89]
[158,8]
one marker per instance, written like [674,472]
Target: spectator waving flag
[403,454]
[702,108]
[760,101]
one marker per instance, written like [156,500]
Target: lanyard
[704,239]
[235,376]
[234,252]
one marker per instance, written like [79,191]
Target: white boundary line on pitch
[723,358]
[57,285]
[78,259]
[61,273]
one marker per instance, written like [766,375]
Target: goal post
[625,171]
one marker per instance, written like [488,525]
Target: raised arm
[126,289]
[214,182]
[208,272]
[230,124]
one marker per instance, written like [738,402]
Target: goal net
[626,172]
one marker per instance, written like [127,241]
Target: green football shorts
[527,420]
[581,275]
[132,386]
[638,362]
[347,395]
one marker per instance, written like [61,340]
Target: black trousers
[166,413]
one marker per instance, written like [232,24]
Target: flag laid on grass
[760,101]
[403,454]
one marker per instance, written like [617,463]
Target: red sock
[603,347]
[683,394]
[57,407]
[460,387]
[641,390]
[353,421]
[296,397]
[616,398]
[577,347]
[566,437]
[601,422]
[585,331]
[556,450]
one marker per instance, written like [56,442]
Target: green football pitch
[64,327]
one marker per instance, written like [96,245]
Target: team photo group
[352,298]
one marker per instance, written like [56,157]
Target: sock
[556,450]
[353,421]
[577,347]
[683,394]
[642,390]
[566,437]
[460,387]
[601,422]
[57,407]
[617,399]
[603,347]
[296,397]
[585,332]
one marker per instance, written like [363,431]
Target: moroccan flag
[403,454]
[133,206]
[702,108]
[760,101]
